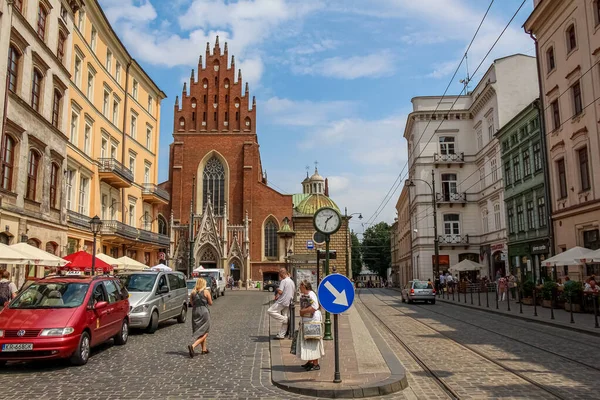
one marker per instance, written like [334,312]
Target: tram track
[446,386]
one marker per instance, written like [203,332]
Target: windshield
[51,295]
[138,282]
[191,284]
[422,285]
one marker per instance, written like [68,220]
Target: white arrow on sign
[340,298]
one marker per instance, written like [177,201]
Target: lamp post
[95,226]
[348,245]
[436,244]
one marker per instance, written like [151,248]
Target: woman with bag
[310,334]
[200,299]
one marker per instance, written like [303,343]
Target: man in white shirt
[8,290]
[283,297]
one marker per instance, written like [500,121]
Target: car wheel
[123,335]
[271,289]
[183,315]
[82,353]
[153,325]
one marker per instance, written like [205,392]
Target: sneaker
[313,367]
[279,337]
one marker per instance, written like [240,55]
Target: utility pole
[191,231]
[436,242]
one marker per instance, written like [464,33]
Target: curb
[396,382]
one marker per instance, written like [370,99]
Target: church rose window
[270,240]
[213,185]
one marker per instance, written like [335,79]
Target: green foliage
[528,286]
[356,255]
[573,290]
[376,251]
[547,289]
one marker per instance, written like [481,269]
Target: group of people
[505,284]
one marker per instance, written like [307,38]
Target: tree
[356,256]
[376,250]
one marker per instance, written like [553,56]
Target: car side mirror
[100,305]
[163,290]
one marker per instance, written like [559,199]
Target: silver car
[155,296]
[418,291]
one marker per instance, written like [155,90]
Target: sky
[333,79]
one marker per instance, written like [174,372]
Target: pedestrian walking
[8,290]
[502,286]
[200,299]
[442,283]
[310,349]
[512,284]
[283,297]
[230,282]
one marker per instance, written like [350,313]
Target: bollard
[487,296]
[508,298]
[471,290]
[520,294]
[595,297]
[534,303]
[479,296]
[497,297]
[452,292]
[571,306]
[552,304]
[466,288]
[292,320]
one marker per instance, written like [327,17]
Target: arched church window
[270,240]
[213,185]
[162,225]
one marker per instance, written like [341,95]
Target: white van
[219,275]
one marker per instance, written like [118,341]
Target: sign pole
[327,335]
[336,376]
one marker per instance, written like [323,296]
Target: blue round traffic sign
[336,293]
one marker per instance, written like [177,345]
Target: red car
[64,317]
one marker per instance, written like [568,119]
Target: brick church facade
[239,223]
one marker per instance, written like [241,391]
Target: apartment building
[36,37]
[567,34]
[454,156]
[402,239]
[113,140]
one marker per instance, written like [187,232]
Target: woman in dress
[200,299]
[312,349]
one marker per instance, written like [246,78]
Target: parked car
[64,317]
[271,286]
[219,276]
[211,284]
[155,296]
[191,284]
[418,291]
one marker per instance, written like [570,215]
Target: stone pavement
[368,367]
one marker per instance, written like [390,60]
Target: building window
[83,191]
[103,148]
[90,86]
[131,214]
[8,155]
[162,225]
[113,209]
[36,89]
[118,72]
[507,176]
[69,178]
[81,20]
[13,68]
[132,164]
[591,239]
[562,178]
[452,224]
[213,185]
[104,207]
[32,174]
[494,164]
[135,89]
[271,239]
[109,61]
[520,218]
[482,176]
[74,127]
[60,51]
[133,132]
[571,39]
[497,218]
[146,173]
[41,22]
[93,38]
[596,12]
[530,216]
[526,163]
[584,169]
[550,59]
[555,114]
[150,104]
[577,101]
[479,138]
[541,212]
[56,107]
[486,225]
[148,137]
[447,145]
[54,185]
[115,115]
[537,157]
[77,74]
[511,220]
[215,116]
[448,186]
[490,125]
[87,138]
[105,104]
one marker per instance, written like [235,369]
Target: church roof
[299,198]
[312,202]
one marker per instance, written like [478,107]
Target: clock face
[327,221]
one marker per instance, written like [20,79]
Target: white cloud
[312,48]
[369,66]
[305,113]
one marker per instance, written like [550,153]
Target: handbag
[312,330]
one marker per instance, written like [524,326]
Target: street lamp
[436,244]
[95,226]
[348,246]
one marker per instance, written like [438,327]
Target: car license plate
[17,347]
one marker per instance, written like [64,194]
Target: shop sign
[443,260]
[539,248]
[496,247]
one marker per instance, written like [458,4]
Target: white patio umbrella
[161,267]
[466,265]
[591,257]
[12,256]
[38,256]
[131,264]
[569,257]
[109,260]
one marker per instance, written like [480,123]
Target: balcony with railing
[449,159]
[118,230]
[453,240]
[450,198]
[114,173]
[152,194]
[76,220]
[153,238]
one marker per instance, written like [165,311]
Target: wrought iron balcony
[116,228]
[151,193]
[114,173]
[451,158]
[153,237]
[80,220]
[451,198]
[453,239]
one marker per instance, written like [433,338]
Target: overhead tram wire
[378,211]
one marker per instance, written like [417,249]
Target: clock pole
[327,334]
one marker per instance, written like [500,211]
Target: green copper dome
[313,202]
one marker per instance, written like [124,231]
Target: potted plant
[528,286]
[547,293]
[573,292]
